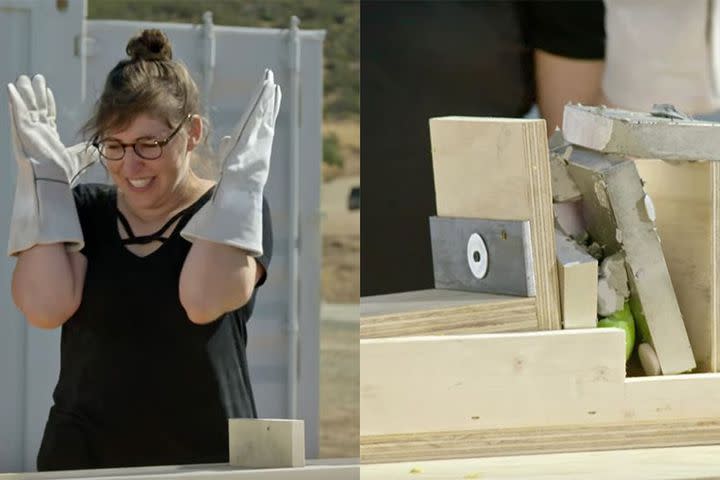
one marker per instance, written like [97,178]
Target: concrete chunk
[612,284]
[569,218]
[614,200]
[641,135]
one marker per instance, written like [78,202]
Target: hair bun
[151,44]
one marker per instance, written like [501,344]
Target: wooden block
[686,197]
[640,135]
[615,210]
[427,312]
[499,169]
[266,443]
[504,380]
[578,277]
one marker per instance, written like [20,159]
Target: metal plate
[491,256]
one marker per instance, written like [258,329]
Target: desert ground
[339,328]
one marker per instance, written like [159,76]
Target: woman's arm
[560,80]
[215,279]
[47,284]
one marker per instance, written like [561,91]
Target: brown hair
[149,81]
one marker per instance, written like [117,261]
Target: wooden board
[684,197]
[315,470]
[578,280]
[426,312]
[506,394]
[678,463]
[526,441]
[504,380]
[499,169]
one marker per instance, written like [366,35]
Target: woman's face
[151,183]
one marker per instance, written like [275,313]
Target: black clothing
[423,59]
[139,383]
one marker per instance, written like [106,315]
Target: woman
[153,278]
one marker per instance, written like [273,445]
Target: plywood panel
[499,169]
[471,382]
[426,312]
[683,197]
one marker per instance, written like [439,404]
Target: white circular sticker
[477,256]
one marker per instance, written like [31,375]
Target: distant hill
[339,18]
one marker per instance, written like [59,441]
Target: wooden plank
[683,195]
[578,279]
[499,169]
[471,382]
[619,218]
[315,470]
[525,441]
[508,394]
[715,270]
[678,463]
[640,135]
[426,312]
[266,443]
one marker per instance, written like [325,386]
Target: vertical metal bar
[294,210]
[208,60]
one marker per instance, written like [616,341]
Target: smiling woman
[153,278]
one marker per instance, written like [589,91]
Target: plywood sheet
[426,312]
[471,382]
[499,169]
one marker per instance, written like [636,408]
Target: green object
[622,319]
[639,315]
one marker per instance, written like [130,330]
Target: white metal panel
[38,38]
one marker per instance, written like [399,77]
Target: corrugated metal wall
[45,40]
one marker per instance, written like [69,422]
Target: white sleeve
[662,51]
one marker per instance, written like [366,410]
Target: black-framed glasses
[148,149]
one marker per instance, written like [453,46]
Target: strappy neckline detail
[182,218]
[132,239]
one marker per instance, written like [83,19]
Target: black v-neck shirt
[140,384]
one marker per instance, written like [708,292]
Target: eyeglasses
[148,149]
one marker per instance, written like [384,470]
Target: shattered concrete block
[641,135]
[612,285]
[569,219]
[609,300]
[614,200]
[563,186]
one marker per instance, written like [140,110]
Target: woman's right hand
[35,137]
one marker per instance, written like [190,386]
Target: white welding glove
[234,214]
[44,211]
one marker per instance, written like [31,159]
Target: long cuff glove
[44,211]
[234,214]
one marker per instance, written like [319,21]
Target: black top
[140,384]
[423,59]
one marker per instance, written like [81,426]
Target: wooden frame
[481,395]
[496,168]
